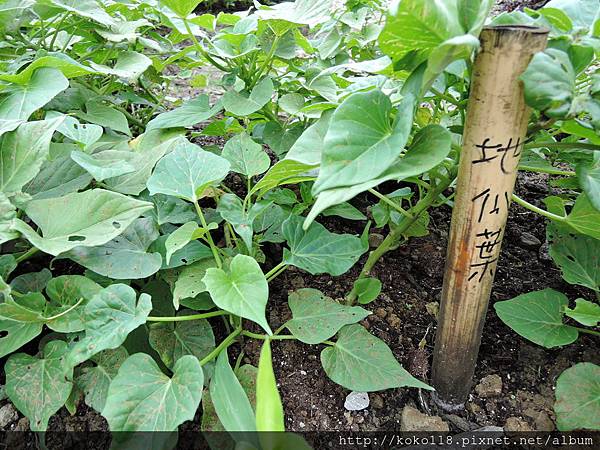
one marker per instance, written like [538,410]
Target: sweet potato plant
[127,249]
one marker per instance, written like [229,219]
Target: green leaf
[64,63]
[38,387]
[130,66]
[23,151]
[578,398]
[187,171]
[584,217]
[173,340]
[291,103]
[13,335]
[94,381]
[27,308]
[125,257]
[168,209]
[192,252]
[109,317]
[361,143]
[65,292]
[319,251]
[31,282]
[583,13]
[189,283]
[472,14]
[182,8]
[549,83]
[106,116]
[345,210]
[86,133]
[229,398]
[269,410]
[232,210]
[537,316]
[585,312]
[316,318]
[142,398]
[455,48]
[361,362]
[19,101]
[106,164]
[282,17]
[187,115]
[88,219]
[429,148]
[90,9]
[246,156]
[243,290]
[180,238]
[280,138]
[367,289]
[576,255]
[589,179]
[286,171]
[243,103]
[415,27]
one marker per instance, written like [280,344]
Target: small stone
[516,424]
[297,282]
[393,320]
[356,401]
[490,386]
[433,308]
[413,420]
[474,408]
[528,240]
[377,401]
[22,424]
[381,313]
[312,357]
[543,422]
[459,422]
[8,414]
[375,239]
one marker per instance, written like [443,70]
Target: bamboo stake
[493,138]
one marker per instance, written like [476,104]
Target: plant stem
[186,318]
[391,203]
[586,331]
[201,50]
[65,312]
[564,145]
[224,344]
[276,274]
[264,337]
[28,254]
[535,209]
[271,272]
[209,238]
[551,171]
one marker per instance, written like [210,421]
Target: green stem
[276,274]
[563,145]
[264,337]
[586,331]
[209,238]
[224,344]
[186,318]
[64,312]
[57,30]
[28,254]
[201,50]
[535,209]
[271,272]
[328,343]
[446,97]
[551,171]
[391,203]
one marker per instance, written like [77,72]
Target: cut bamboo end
[493,138]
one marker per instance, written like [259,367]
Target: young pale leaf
[187,171]
[142,398]
[246,156]
[589,179]
[361,143]
[38,387]
[577,257]
[361,362]
[243,290]
[106,164]
[243,104]
[87,219]
[125,257]
[180,238]
[13,335]
[229,398]
[187,115]
[367,289]
[472,14]
[189,283]
[109,317]
[537,316]
[182,8]
[19,101]
[189,254]
[549,83]
[94,381]
[232,210]
[23,151]
[429,148]
[173,340]
[130,65]
[85,134]
[578,398]
[345,210]
[269,410]
[584,217]
[585,312]
[89,9]
[67,65]
[64,293]
[319,251]
[316,318]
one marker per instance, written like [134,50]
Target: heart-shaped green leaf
[187,115]
[578,398]
[585,312]
[243,103]
[246,156]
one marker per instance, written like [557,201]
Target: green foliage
[323,111]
